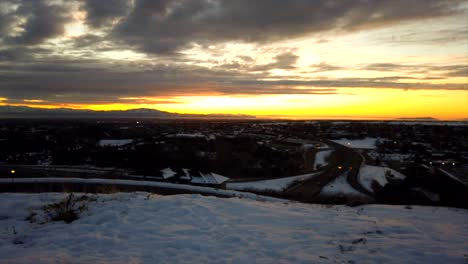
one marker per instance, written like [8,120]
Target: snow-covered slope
[321,158]
[114,142]
[135,228]
[168,173]
[269,185]
[340,186]
[369,174]
[365,143]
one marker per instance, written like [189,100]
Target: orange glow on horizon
[348,103]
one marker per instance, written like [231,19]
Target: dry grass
[68,210]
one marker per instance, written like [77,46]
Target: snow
[450,175]
[183,187]
[390,156]
[213,178]
[114,142]
[316,145]
[168,173]
[339,186]
[186,175]
[321,157]
[219,178]
[187,135]
[142,228]
[369,174]
[366,143]
[207,178]
[435,197]
[73,169]
[269,185]
[197,178]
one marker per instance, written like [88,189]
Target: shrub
[67,210]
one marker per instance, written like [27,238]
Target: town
[348,162]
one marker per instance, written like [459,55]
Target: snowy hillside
[366,143]
[269,185]
[340,186]
[114,142]
[138,228]
[368,174]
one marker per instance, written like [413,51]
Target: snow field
[114,142]
[340,186]
[369,174]
[269,185]
[321,158]
[366,143]
[137,228]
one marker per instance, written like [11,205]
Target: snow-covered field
[164,185]
[369,174]
[340,186]
[114,142]
[366,143]
[321,158]
[269,185]
[137,228]
[390,156]
[168,173]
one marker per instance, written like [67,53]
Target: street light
[13,171]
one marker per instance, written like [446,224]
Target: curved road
[353,175]
[341,160]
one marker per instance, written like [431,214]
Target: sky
[356,59]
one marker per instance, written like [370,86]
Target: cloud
[100,13]
[44,20]
[7,18]
[444,70]
[166,26]
[93,81]
[325,67]
[388,67]
[283,61]
[80,69]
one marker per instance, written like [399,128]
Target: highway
[342,159]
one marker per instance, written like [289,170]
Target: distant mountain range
[24,112]
[418,119]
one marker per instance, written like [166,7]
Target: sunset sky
[369,59]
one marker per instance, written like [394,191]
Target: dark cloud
[246,58]
[161,29]
[429,36]
[284,61]
[447,70]
[166,26]
[325,67]
[44,20]
[94,81]
[451,70]
[7,19]
[20,53]
[387,67]
[101,12]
